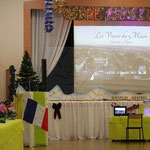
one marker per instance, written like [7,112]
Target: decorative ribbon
[56,108]
[133,107]
[114,104]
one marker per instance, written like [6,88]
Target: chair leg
[143,134]
[139,133]
[126,135]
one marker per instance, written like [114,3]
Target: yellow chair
[139,127]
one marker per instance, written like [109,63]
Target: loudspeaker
[44,75]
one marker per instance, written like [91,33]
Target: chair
[139,127]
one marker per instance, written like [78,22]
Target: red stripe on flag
[45,120]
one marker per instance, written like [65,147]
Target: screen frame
[111,23]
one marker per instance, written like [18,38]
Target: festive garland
[48,15]
[102,13]
[13,85]
[93,13]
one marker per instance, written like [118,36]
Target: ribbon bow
[56,108]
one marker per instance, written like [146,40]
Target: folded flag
[36,114]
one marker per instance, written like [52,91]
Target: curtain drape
[47,46]
[82,120]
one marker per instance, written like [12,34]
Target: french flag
[36,114]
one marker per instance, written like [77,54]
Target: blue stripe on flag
[30,111]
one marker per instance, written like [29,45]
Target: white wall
[11,38]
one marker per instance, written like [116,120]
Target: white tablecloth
[81,120]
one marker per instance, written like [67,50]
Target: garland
[90,13]
[13,85]
[48,15]
[102,13]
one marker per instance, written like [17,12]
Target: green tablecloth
[33,136]
[11,135]
[117,128]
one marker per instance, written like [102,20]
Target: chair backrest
[135,116]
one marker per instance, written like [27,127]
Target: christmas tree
[27,76]
[13,85]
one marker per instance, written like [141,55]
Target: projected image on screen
[112,53]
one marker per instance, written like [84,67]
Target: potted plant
[7,111]
[11,113]
[3,112]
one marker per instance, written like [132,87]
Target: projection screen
[112,56]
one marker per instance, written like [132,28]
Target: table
[117,128]
[82,120]
[11,135]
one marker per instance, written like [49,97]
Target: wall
[11,38]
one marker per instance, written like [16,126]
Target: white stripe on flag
[39,115]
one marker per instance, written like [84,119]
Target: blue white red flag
[36,114]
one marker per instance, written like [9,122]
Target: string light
[102,13]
